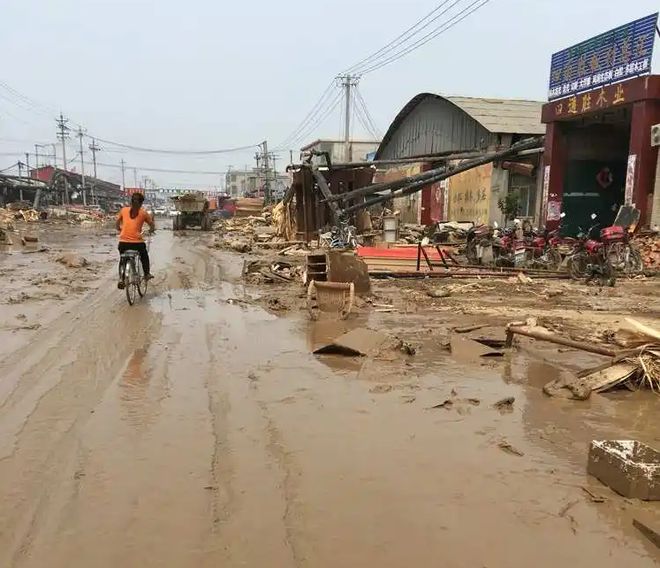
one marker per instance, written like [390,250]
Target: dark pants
[142,249]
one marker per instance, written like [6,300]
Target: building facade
[251,181]
[435,126]
[599,155]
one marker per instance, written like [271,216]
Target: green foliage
[510,205]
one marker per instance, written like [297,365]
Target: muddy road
[196,429]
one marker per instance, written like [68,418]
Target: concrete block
[630,468]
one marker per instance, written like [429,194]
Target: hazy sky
[207,74]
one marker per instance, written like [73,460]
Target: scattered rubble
[71,260]
[509,449]
[629,467]
[261,271]
[505,406]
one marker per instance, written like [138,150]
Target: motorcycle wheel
[578,266]
[633,263]
[471,252]
[553,259]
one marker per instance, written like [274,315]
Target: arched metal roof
[457,124]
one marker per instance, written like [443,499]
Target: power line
[320,119]
[402,38]
[361,117]
[374,128]
[178,152]
[32,104]
[163,170]
[310,115]
[26,103]
[470,9]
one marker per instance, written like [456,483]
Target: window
[526,187]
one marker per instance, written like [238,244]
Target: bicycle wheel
[142,282]
[131,283]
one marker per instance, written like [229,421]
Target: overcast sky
[207,74]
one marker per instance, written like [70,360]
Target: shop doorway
[595,176]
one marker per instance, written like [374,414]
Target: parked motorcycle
[543,248]
[590,258]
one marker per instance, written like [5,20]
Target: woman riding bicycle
[130,221]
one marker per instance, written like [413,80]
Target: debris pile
[260,271]
[77,215]
[636,366]
[411,234]
[249,206]
[270,229]
[649,248]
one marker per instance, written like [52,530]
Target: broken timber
[413,184]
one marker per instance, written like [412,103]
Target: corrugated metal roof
[503,116]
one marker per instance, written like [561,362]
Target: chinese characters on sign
[592,101]
[610,57]
[469,195]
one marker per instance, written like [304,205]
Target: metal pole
[347,118]
[63,135]
[20,175]
[266,173]
[94,148]
[123,176]
[82,167]
[36,155]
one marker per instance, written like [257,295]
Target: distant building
[359,150]
[241,182]
[252,181]
[98,191]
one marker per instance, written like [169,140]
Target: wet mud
[196,428]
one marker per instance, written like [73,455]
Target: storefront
[598,151]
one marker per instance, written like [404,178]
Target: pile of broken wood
[649,248]
[633,364]
[270,230]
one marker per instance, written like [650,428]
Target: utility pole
[36,156]
[123,176]
[94,148]
[347,82]
[20,175]
[135,181]
[62,134]
[82,166]
[265,156]
[27,163]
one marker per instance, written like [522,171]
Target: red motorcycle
[590,258]
[542,249]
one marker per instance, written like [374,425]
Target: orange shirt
[131,229]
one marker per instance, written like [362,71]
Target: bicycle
[132,275]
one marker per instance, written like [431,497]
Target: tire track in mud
[48,408]
[292,514]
